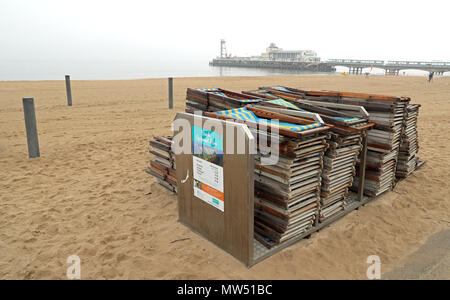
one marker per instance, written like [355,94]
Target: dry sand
[87,194]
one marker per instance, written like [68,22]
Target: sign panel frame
[232,228]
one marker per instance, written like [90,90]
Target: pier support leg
[69,91]
[170,92]
[31,127]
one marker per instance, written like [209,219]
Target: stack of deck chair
[216,99]
[407,158]
[287,193]
[162,166]
[338,172]
[383,143]
[340,159]
[388,113]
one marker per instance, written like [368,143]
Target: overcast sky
[124,29]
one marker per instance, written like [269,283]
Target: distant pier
[355,66]
[390,67]
[271,64]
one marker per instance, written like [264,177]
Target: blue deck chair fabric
[281,88]
[294,127]
[218,93]
[352,120]
[347,119]
[240,100]
[358,124]
[239,113]
[243,113]
[250,100]
[284,103]
[207,90]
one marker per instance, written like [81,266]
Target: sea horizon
[43,70]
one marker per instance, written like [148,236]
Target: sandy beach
[88,193]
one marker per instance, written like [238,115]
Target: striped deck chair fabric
[347,119]
[218,93]
[240,100]
[294,127]
[239,113]
[284,103]
[264,92]
[359,124]
[243,113]
[251,100]
[207,90]
[280,88]
[352,120]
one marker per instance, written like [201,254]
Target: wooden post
[170,92]
[69,92]
[31,128]
[362,168]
